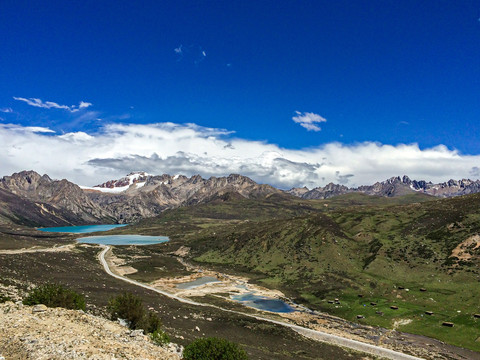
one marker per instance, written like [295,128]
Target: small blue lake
[123,239]
[197,282]
[107,239]
[84,229]
[263,303]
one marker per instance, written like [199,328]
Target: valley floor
[79,268]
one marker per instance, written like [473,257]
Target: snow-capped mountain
[137,179]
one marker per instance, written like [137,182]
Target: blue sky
[383,73]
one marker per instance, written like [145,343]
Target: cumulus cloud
[308,120]
[117,149]
[53,105]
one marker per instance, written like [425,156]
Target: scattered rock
[448,324]
[393,307]
[197,328]
[62,334]
[135,333]
[39,308]
[429,312]
[360,317]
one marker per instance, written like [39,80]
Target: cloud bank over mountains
[117,149]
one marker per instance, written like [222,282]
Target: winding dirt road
[313,334]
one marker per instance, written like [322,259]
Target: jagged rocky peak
[325,192]
[25,183]
[298,191]
[25,179]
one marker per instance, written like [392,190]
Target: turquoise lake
[84,229]
[107,239]
[198,282]
[263,303]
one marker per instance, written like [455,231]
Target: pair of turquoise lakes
[248,299]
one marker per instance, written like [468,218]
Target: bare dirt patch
[462,251]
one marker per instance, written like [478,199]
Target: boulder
[39,308]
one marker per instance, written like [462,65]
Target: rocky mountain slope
[142,195]
[136,196]
[37,332]
[60,198]
[30,198]
[22,211]
[395,186]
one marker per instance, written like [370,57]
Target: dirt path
[313,334]
[68,247]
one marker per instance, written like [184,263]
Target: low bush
[55,295]
[160,337]
[151,322]
[213,349]
[4,298]
[129,307]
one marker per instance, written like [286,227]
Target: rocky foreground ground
[28,332]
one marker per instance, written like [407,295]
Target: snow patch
[106,190]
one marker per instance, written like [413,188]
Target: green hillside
[391,252]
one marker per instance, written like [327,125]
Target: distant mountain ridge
[395,186]
[136,196]
[140,195]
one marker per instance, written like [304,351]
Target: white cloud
[84,105]
[117,149]
[39,129]
[308,120]
[178,50]
[190,53]
[33,129]
[53,105]
[6,110]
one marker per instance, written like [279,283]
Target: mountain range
[33,199]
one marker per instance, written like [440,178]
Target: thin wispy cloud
[6,110]
[35,102]
[192,53]
[31,129]
[117,149]
[308,120]
[179,52]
